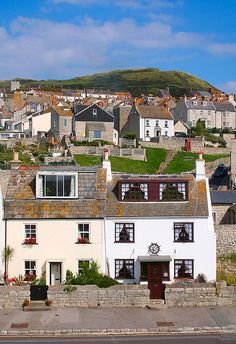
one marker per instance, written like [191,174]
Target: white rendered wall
[56,243]
[41,123]
[160,231]
[152,125]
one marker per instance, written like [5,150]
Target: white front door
[55,273]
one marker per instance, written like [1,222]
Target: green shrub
[91,276]
[129,136]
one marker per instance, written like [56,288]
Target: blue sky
[61,39]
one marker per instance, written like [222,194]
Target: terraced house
[152,229]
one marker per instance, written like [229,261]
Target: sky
[63,39]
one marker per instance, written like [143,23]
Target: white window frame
[30,268]
[30,233]
[147,123]
[84,234]
[82,260]
[39,186]
[147,133]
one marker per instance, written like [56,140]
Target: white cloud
[228,87]
[223,48]
[125,3]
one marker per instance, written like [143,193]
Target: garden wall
[177,295]
[200,294]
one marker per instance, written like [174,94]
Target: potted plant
[25,304]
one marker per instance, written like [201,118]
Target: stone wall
[225,239]
[200,294]
[92,296]
[132,153]
[13,297]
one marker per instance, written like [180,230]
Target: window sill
[184,279]
[183,241]
[123,242]
[28,243]
[124,278]
[82,243]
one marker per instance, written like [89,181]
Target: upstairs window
[65,122]
[57,185]
[147,123]
[183,268]
[30,234]
[134,191]
[157,123]
[94,112]
[83,233]
[166,124]
[172,191]
[124,232]
[183,232]
[124,268]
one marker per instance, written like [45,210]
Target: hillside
[136,81]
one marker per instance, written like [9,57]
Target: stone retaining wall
[200,294]
[13,297]
[92,296]
[131,153]
[176,294]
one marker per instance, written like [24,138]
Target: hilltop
[136,81]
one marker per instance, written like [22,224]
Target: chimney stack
[200,167]
[107,164]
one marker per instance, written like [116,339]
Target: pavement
[109,321]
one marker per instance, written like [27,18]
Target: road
[180,339]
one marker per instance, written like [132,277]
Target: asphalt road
[180,339]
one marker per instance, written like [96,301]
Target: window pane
[51,185]
[183,268]
[124,232]
[124,268]
[60,186]
[183,232]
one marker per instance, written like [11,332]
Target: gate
[38,292]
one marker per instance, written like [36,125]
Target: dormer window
[94,112]
[172,191]
[56,185]
[204,103]
[134,191]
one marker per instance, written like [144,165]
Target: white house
[159,229]
[54,220]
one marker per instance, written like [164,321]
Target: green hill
[136,81]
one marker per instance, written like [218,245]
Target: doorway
[55,273]
[156,273]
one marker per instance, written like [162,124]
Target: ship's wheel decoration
[154,248]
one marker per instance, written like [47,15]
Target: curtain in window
[72,186]
[41,186]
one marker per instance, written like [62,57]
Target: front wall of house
[41,123]
[79,128]
[148,128]
[160,230]
[56,242]
[65,126]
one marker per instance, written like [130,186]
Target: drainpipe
[5,262]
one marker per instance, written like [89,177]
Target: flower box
[30,241]
[82,241]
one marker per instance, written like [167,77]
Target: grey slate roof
[223,197]
[227,106]
[198,105]
[86,115]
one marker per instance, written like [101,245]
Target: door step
[35,306]
[157,303]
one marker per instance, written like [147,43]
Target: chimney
[107,164]
[200,167]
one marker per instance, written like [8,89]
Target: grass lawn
[154,157]
[185,161]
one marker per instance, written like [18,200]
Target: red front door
[155,284]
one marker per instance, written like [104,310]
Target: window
[209,113]
[166,133]
[147,133]
[97,134]
[124,232]
[183,268]
[157,123]
[94,112]
[57,185]
[124,268]
[30,270]
[65,122]
[54,123]
[172,191]
[83,233]
[134,191]
[147,123]
[183,232]
[30,234]
[81,265]
[214,217]
[204,103]
[166,124]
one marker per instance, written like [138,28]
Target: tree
[7,255]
